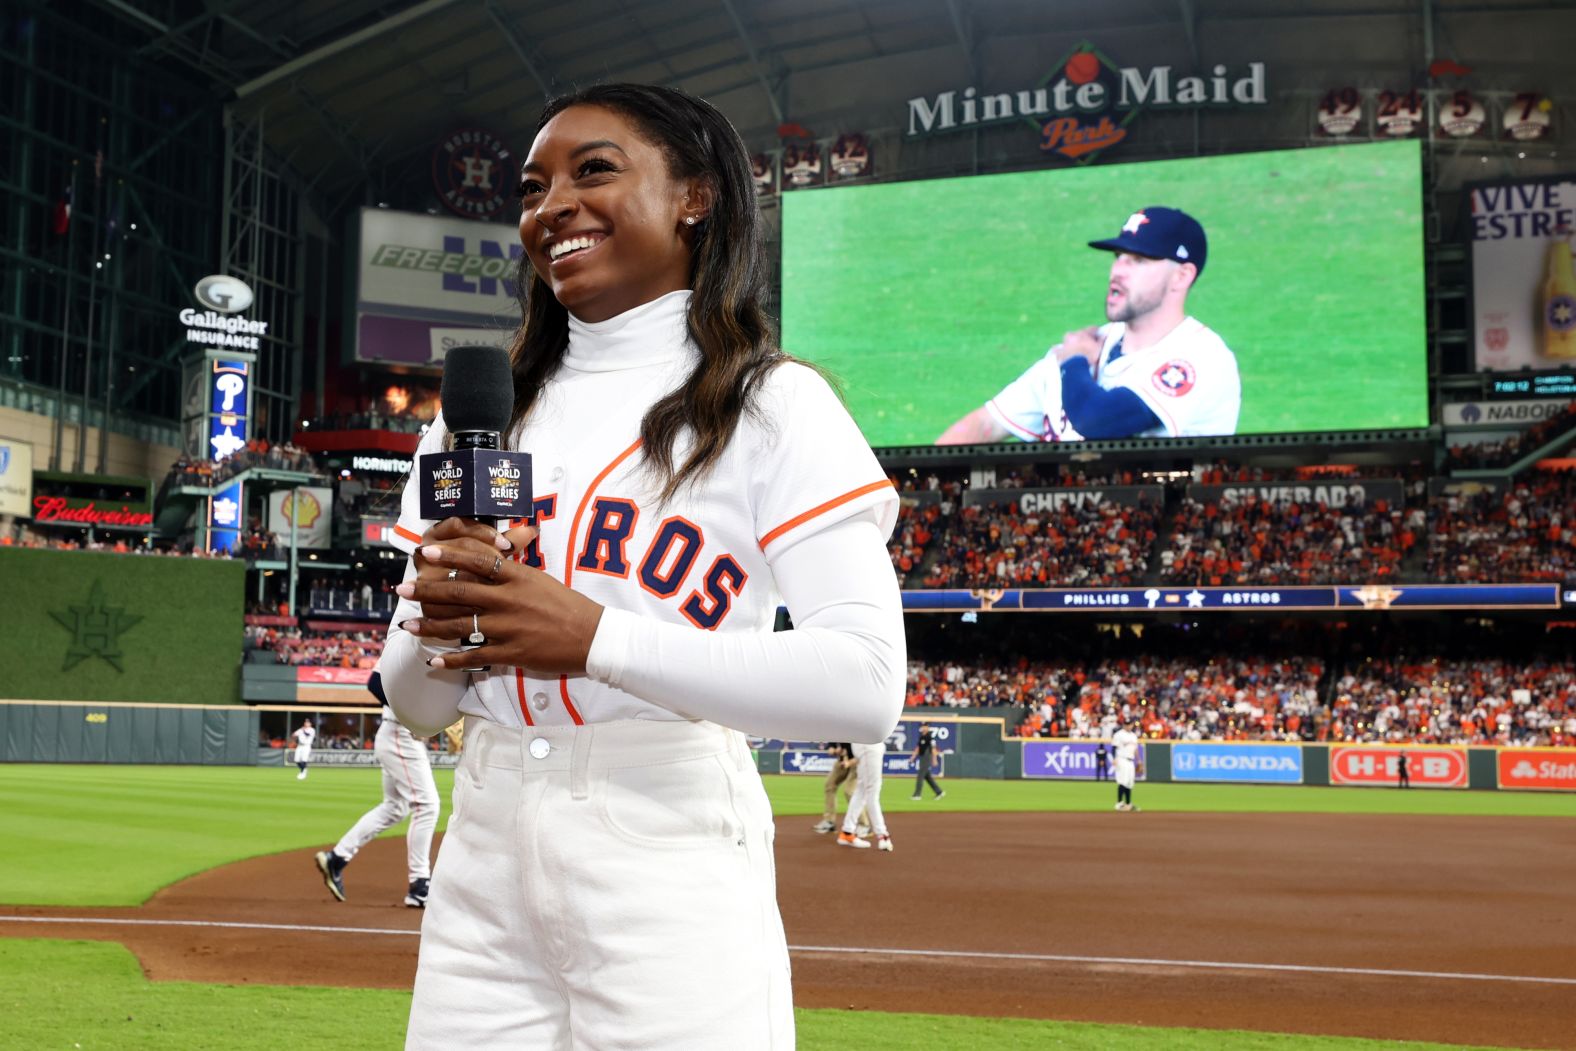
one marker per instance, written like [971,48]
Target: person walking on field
[843,767]
[1401,768]
[408,789]
[924,753]
[867,800]
[304,735]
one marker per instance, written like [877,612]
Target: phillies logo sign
[1087,101]
[1377,765]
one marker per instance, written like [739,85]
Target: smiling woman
[611,831]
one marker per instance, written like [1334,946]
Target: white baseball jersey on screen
[1030,407]
[704,559]
[1189,379]
[1125,744]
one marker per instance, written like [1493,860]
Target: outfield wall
[97,626]
[969,746]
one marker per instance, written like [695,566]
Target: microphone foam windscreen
[478,389]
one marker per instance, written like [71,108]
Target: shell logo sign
[1537,768]
[1377,765]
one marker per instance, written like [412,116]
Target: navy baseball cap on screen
[1160,233]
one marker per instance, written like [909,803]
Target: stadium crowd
[1502,454]
[318,649]
[1261,698]
[1525,532]
[1090,545]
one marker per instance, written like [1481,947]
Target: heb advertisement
[1377,765]
[1523,278]
[897,764]
[1539,768]
[1070,760]
[1275,764]
[334,676]
[426,284]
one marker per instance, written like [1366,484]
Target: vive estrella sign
[1087,101]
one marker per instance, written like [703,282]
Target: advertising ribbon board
[1539,768]
[1378,765]
[1261,763]
[1070,760]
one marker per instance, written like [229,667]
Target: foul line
[948,954]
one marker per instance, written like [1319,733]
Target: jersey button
[540,748]
[558,474]
[539,701]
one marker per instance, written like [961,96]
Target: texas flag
[62,216]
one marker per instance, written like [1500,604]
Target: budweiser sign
[61,509]
[1425,767]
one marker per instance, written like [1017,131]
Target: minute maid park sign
[1086,102]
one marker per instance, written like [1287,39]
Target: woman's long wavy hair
[727,273]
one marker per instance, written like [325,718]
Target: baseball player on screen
[1152,371]
[304,736]
[408,788]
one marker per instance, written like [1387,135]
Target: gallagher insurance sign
[1086,103]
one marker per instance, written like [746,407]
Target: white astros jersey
[704,559]
[1030,407]
[1125,744]
[1189,379]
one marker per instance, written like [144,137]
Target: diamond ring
[454,574]
[476,637]
[497,565]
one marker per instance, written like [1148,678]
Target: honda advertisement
[1550,769]
[1276,764]
[1377,765]
[1069,760]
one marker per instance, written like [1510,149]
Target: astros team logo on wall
[472,172]
[1175,378]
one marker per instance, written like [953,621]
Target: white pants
[408,788]
[303,753]
[867,790]
[1126,770]
[604,887]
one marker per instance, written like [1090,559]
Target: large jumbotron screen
[929,299]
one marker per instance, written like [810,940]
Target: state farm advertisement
[1372,765]
[1547,768]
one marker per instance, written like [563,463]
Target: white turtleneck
[838,676]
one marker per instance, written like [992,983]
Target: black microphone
[475,478]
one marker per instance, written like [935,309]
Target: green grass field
[92,996]
[112,835]
[926,298]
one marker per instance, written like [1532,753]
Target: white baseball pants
[1126,771]
[867,790]
[604,887]
[408,788]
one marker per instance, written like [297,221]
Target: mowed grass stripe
[93,996]
[107,836]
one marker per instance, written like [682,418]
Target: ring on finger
[454,574]
[476,637]
[497,565]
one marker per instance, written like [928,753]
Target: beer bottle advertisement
[1523,273]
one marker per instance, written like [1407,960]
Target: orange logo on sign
[1071,138]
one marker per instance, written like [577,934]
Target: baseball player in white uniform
[607,877]
[866,800]
[1152,371]
[408,789]
[1125,744]
[304,736]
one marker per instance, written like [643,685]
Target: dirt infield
[1213,920]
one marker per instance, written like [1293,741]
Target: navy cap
[1160,233]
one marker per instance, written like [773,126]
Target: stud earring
[689,220]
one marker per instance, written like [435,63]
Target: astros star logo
[1376,596]
[95,629]
[1195,599]
[1134,221]
[1174,378]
